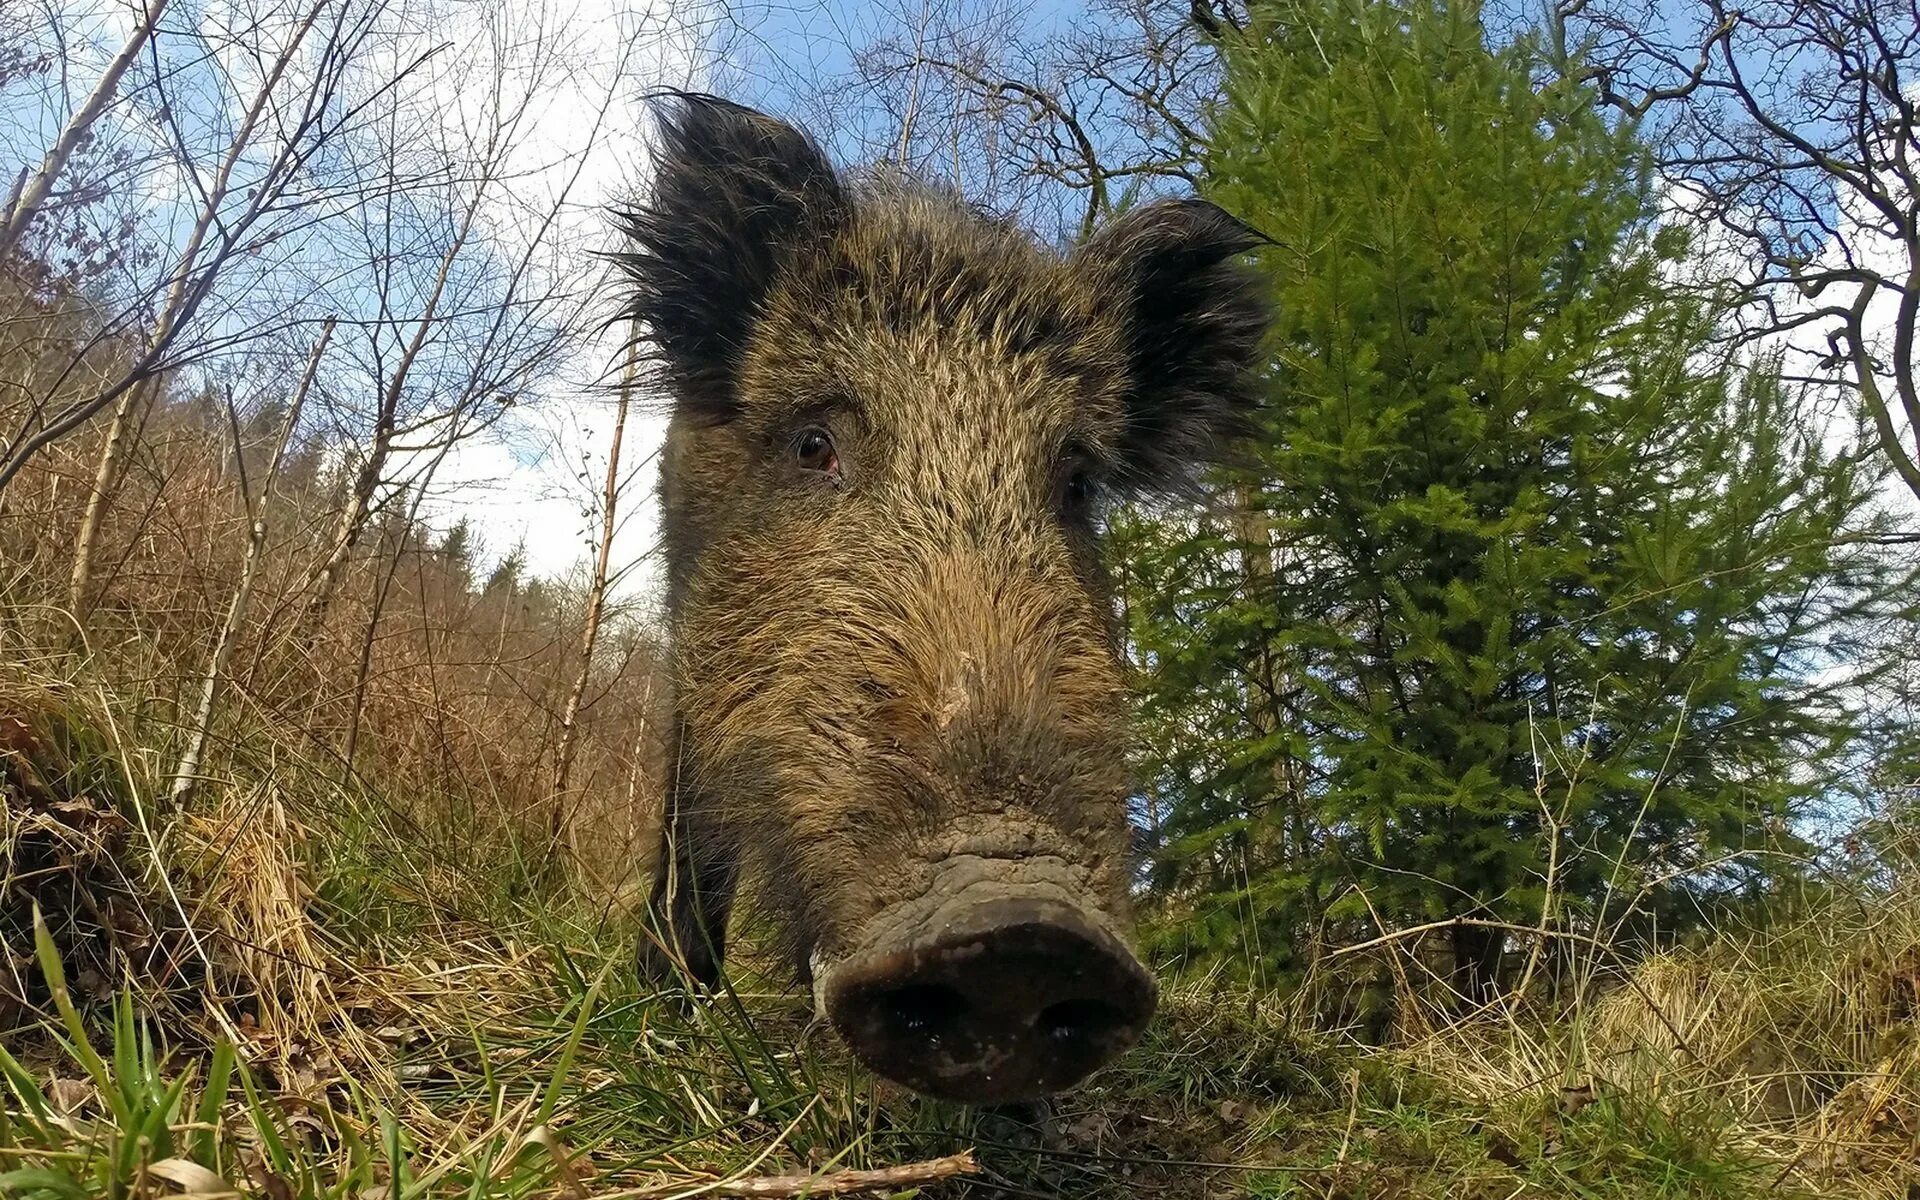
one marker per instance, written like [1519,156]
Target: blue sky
[534,479]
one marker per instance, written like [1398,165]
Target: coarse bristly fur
[899,651]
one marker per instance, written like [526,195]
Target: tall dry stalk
[596,608]
[187,770]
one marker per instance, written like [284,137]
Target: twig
[1353,1116]
[836,1183]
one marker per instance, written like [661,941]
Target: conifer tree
[1524,578]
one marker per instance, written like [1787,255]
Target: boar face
[898,693]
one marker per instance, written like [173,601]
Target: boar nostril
[1081,1021]
[927,1009]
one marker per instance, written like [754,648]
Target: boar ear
[1193,319]
[735,194]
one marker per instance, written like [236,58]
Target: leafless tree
[476,282]
[194,455]
[32,190]
[1793,128]
[253,194]
[1054,120]
[213,193]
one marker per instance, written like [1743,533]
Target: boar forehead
[923,318]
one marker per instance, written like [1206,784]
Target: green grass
[560,1078]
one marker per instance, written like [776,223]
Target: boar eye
[813,451]
[1076,492]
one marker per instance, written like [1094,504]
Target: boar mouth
[989,989]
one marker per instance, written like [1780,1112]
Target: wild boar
[899,699]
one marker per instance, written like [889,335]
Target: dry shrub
[194,911]
[252,898]
[208,911]
[1805,1032]
[430,672]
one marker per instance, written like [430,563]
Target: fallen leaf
[69,1095]
[1089,1132]
[1573,1099]
[269,1183]
[191,1178]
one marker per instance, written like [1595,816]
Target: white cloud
[539,487]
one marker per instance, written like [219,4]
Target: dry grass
[405,1003]
[1794,1042]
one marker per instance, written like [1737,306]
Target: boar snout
[997,994]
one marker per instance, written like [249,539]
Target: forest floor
[280,988]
